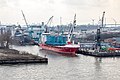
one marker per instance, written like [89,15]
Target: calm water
[62,68]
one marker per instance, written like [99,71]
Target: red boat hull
[58,49]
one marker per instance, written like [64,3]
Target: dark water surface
[62,67]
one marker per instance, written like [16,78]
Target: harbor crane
[24,19]
[99,32]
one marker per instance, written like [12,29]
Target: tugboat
[60,43]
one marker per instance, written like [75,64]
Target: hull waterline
[67,50]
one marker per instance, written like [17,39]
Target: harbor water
[61,67]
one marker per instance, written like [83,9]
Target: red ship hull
[61,49]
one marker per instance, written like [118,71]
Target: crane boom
[103,18]
[24,19]
[49,21]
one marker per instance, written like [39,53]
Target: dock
[99,54]
[11,56]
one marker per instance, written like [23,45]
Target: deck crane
[70,34]
[48,22]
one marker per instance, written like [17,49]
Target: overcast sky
[37,11]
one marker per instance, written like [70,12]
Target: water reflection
[97,63]
[97,71]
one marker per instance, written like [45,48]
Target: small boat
[113,49]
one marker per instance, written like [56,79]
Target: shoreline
[12,56]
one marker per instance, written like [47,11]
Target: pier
[11,56]
[99,54]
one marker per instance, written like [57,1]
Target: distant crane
[103,18]
[60,20]
[0,23]
[115,21]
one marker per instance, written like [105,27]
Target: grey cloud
[74,2]
[51,1]
[87,3]
[3,3]
[101,3]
